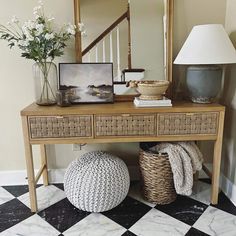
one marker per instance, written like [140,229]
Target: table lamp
[205,50]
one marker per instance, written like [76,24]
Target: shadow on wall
[228,98]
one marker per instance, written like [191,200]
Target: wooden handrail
[106,32]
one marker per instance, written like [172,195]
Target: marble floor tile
[195,232]
[13,212]
[128,212]
[128,233]
[135,192]
[216,222]
[17,190]
[32,226]
[225,204]
[5,196]
[95,224]
[184,209]
[201,192]
[46,196]
[62,215]
[156,223]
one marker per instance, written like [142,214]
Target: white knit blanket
[185,159]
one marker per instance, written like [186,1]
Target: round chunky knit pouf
[96,182]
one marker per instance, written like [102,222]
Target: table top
[118,107]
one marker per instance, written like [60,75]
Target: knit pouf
[96,182]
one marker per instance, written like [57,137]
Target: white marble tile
[95,224]
[216,222]
[156,223]
[32,226]
[201,192]
[46,196]
[136,193]
[5,196]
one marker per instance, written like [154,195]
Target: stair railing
[93,47]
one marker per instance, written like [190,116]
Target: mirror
[149,38]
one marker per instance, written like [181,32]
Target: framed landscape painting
[87,82]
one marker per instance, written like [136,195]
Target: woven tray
[157,177]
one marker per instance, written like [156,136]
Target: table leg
[217,161]
[29,166]
[44,163]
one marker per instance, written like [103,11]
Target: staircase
[106,48]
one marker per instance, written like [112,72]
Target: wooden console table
[119,122]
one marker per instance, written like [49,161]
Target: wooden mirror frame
[169,41]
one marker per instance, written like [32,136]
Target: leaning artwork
[87,82]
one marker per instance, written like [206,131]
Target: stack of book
[165,102]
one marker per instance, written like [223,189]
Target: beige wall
[16,78]
[229,99]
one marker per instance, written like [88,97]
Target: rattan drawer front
[125,125]
[60,127]
[188,123]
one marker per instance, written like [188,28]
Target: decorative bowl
[150,89]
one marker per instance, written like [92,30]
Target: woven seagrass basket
[156,176]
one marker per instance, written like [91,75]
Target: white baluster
[118,54]
[111,48]
[96,53]
[103,51]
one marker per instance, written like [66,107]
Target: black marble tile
[195,232]
[128,212]
[13,212]
[60,186]
[128,233]
[184,209]
[225,204]
[62,215]
[17,190]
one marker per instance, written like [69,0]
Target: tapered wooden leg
[217,161]
[31,178]
[29,166]
[44,163]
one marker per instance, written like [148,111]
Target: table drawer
[60,126]
[125,125]
[187,123]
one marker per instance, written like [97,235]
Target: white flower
[14,20]
[28,25]
[23,43]
[81,27]
[51,19]
[40,3]
[71,29]
[49,36]
[39,29]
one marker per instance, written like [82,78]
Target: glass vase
[45,82]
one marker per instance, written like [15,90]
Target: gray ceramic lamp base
[203,83]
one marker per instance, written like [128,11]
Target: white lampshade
[207,44]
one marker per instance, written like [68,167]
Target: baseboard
[18,177]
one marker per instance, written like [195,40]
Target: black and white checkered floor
[186,216]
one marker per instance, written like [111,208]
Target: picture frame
[87,82]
